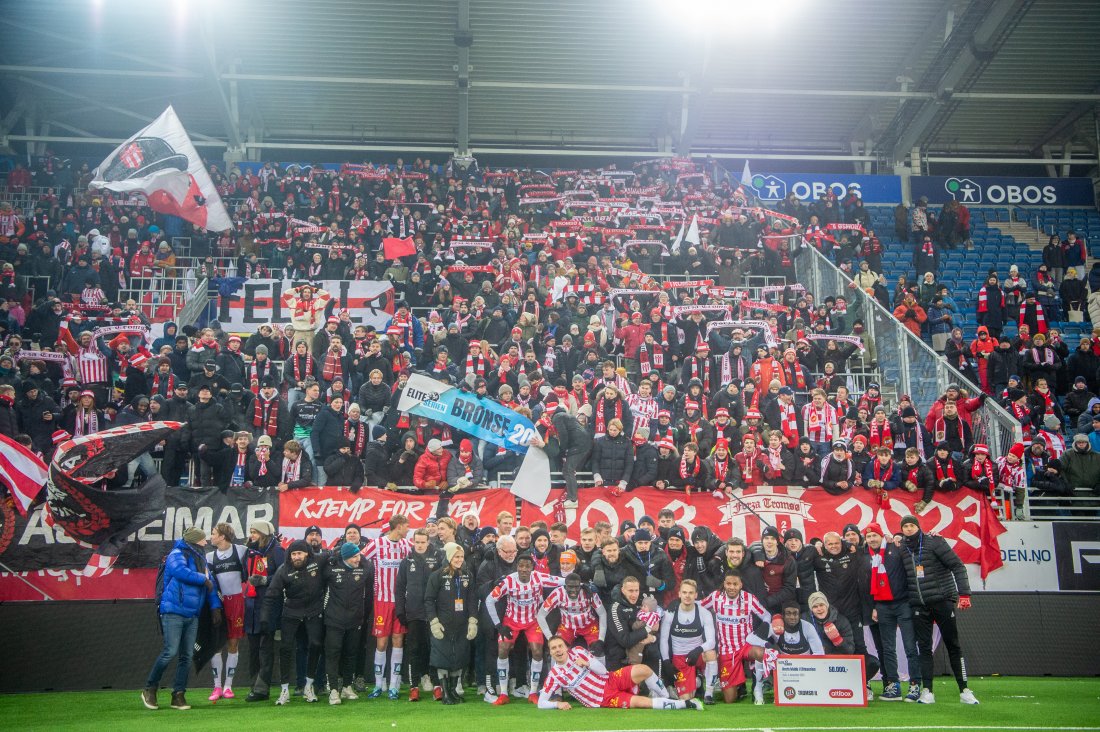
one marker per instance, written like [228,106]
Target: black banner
[33,545]
[1077,552]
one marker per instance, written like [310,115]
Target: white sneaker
[870,694]
[425,684]
[480,689]
[927,697]
[348,693]
[308,693]
[490,697]
[458,688]
[967,697]
[520,692]
[334,697]
[570,504]
[758,695]
[284,698]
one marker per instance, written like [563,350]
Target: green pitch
[1007,704]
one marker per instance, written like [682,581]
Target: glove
[910,486]
[202,449]
[504,631]
[471,629]
[833,634]
[653,583]
[216,617]
[391,486]
[437,629]
[599,578]
[964,602]
[693,657]
[920,506]
[257,580]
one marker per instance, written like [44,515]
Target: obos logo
[841,693]
[769,188]
[964,190]
[789,692]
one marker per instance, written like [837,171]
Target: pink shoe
[227,693]
[216,695]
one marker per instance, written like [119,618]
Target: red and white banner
[962,517]
[71,584]
[257,302]
[334,508]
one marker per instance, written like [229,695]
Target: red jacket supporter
[633,336]
[967,407]
[431,470]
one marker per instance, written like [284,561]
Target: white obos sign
[820,681]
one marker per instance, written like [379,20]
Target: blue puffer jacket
[184,585]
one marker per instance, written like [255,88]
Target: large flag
[692,236]
[395,248]
[746,176]
[161,162]
[80,503]
[22,472]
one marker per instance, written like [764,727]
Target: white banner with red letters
[962,517]
[258,302]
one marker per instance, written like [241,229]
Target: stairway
[1023,233]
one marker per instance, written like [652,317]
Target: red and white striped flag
[22,472]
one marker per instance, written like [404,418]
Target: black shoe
[254,697]
[448,693]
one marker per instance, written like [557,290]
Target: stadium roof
[872,80]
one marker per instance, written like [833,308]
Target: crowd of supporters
[548,291]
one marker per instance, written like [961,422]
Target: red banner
[958,517]
[334,508]
[70,584]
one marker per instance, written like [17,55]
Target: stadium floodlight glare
[731,16]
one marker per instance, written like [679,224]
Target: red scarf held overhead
[601,416]
[265,414]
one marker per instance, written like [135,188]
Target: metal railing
[1083,505]
[906,362]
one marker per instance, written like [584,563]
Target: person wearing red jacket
[967,406]
[430,472]
[751,463]
[632,335]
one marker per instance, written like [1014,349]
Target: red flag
[395,248]
[22,472]
[991,529]
[161,162]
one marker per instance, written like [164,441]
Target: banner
[256,302]
[1027,551]
[1003,191]
[334,508]
[820,681]
[1077,555]
[34,554]
[955,516]
[484,419]
[811,186]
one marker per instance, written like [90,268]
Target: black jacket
[374,398]
[657,574]
[751,576]
[622,633]
[841,577]
[341,469]
[345,600]
[846,645]
[412,579]
[205,423]
[441,596]
[645,465]
[944,573]
[804,561]
[301,591]
[327,429]
[607,577]
[612,458]
[572,437]
[30,417]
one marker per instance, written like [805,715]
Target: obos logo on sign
[998,191]
[811,186]
[966,190]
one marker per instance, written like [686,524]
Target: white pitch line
[875,728]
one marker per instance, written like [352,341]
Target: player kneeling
[577,672]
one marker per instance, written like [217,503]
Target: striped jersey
[524,599]
[582,683]
[92,366]
[387,555]
[734,618]
[576,614]
[819,423]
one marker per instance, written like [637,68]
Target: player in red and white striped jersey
[736,613]
[523,592]
[386,552]
[576,672]
[582,615]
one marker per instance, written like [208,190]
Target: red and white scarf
[650,359]
[985,468]
[476,364]
[880,435]
[298,375]
[689,472]
[945,470]
[333,367]
[600,414]
[86,422]
[292,469]
[356,434]
[693,361]
[265,414]
[788,422]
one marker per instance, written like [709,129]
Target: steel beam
[225,109]
[463,40]
[81,71]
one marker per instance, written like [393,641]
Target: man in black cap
[315,539]
[911,433]
[205,422]
[299,586]
[838,475]
[177,446]
[804,556]
[659,579]
[938,587]
[210,377]
[346,580]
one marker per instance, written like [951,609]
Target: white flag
[746,176]
[692,235]
[675,246]
[161,162]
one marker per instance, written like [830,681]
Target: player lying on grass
[576,671]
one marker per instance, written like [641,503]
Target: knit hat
[434,445]
[1017,450]
[849,527]
[817,598]
[910,519]
[770,531]
[642,535]
[449,550]
[301,545]
[348,550]
[59,436]
[873,528]
[792,534]
[264,527]
[315,529]
[193,535]
[625,525]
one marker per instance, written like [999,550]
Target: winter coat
[840,577]
[431,470]
[441,596]
[30,417]
[184,590]
[205,423]
[300,591]
[328,428]
[805,560]
[345,599]
[412,581]
[644,472]
[622,635]
[374,398]
[344,470]
[1082,470]
[607,577]
[573,438]
[846,643]
[612,458]
[945,576]
[456,470]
